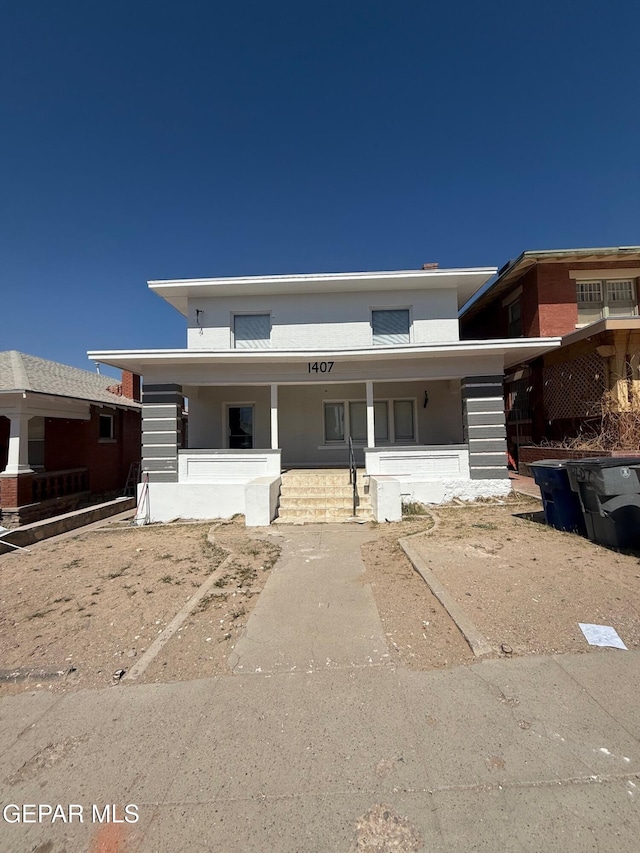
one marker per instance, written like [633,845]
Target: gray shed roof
[22,372]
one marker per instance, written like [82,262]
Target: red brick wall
[538,454]
[548,303]
[75,444]
[131,385]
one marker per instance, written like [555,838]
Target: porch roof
[513,350]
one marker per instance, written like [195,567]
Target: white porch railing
[227,466]
[428,462]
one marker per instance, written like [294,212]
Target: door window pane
[334,421]
[390,327]
[403,420]
[251,331]
[358,421]
[241,427]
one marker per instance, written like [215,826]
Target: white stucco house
[279,372]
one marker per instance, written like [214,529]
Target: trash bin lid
[605,461]
[552,463]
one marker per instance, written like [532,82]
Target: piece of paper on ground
[601,635]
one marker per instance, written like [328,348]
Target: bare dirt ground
[90,605]
[527,586]
[420,633]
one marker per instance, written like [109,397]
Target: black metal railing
[353,476]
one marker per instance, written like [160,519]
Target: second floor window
[252,331]
[515,319]
[605,298]
[390,327]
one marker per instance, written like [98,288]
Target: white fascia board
[514,350]
[467,281]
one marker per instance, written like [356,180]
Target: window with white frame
[390,326]
[403,421]
[349,417]
[251,331]
[605,298]
[106,428]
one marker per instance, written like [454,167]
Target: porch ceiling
[514,351]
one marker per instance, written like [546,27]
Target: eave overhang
[466,281]
[514,351]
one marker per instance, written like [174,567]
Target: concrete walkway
[316,745]
[314,612]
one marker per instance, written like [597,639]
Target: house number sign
[319,366]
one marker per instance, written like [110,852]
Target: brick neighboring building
[65,435]
[589,297]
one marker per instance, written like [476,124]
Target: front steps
[321,495]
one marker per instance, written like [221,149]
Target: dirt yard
[90,605]
[525,585]
[81,611]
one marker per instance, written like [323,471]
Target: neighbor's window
[403,421]
[515,319]
[605,298]
[251,331]
[390,327]
[105,427]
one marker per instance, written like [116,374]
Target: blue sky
[145,140]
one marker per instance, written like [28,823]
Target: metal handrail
[353,475]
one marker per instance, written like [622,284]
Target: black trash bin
[609,492]
[561,504]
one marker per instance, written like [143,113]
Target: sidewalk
[531,754]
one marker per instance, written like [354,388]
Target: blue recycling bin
[562,508]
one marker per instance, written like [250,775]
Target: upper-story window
[514,311]
[605,298]
[252,331]
[390,327]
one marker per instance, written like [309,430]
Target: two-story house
[589,297]
[286,372]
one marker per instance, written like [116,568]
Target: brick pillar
[484,426]
[15,490]
[161,431]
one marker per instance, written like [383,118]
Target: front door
[240,424]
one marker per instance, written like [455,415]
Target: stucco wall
[325,321]
[300,416]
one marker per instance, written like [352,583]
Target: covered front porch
[426,423]
[428,440]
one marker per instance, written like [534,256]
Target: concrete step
[324,480]
[318,517]
[319,513]
[294,489]
[316,501]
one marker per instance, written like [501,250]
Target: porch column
[274,417]
[18,456]
[161,431]
[484,426]
[371,430]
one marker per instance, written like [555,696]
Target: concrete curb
[477,643]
